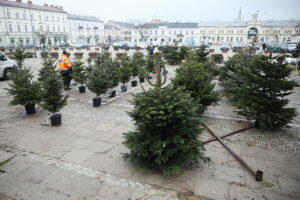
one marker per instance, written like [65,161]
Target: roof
[222,23]
[171,25]
[110,27]
[281,23]
[84,18]
[32,6]
[120,24]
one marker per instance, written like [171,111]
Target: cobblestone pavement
[82,158]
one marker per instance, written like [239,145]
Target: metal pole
[229,134]
[258,174]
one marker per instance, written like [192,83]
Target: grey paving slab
[76,156]
[100,147]
[5,156]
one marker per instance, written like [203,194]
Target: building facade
[85,30]
[112,34]
[270,32]
[118,31]
[32,25]
[165,33]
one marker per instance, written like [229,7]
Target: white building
[270,32]
[165,32]
[30,24]
[219,32]
[85,30]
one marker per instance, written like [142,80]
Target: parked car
[6,66]
[132,45]
[283,47]
[225,47]
[291,47]
[274,48]
[143,45]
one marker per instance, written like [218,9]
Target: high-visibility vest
[63,62]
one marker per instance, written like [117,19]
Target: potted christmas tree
[125,73]
[98,80]
[114,75]
[79,75]
[134,72]
[138,59]
[24,90]
[53,98]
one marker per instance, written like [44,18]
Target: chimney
[19,1]
[29,2]
[46,5]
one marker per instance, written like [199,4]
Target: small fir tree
[197,81]
[125,71]
[22,87]
[166,137]
[98,80]
[173,56]
[79,72]
[53,98]
[184,51]
[114,73]
[201,54]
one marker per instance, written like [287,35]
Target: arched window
[283,39]
[262,39]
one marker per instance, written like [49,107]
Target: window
[40,17]
[10,28]
[192,32]
[24,15]
[8,15]
[46,17]
[26,28]
[33,29]
[12,41]
[31,16]
[58,28]
[170,32]
[155,32]
[64,29]
[53,29]
[27,41]
[17,15]
[58,19]
[283,39]
[241,39]
[48,28]
[162,32]
[0,40]
[19,28]
[41,28]
[231,39]
[174,32]
[52,18]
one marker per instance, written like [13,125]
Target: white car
[6,66]
[143,45]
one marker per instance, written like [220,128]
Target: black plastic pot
[55,120]
[112,93]
[142,79]
[30,109]
[96,102]
[123,88]
[149,77]
[81,89]
[134,83]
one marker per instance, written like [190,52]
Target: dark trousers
[67,77]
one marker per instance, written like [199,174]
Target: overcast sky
[179,10]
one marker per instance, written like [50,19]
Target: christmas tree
[258,87]
[98,79]
[22,87]
[79,72]
[194,79]
[53,98]
[168,127]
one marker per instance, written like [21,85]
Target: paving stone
[5,156]
[229,174]
[100,147]
[76,156]
[71,184]
[212,188]
[80,143]
[57,151]
[241,192]
[117,166]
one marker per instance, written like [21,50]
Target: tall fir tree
[167,129]
[258,89]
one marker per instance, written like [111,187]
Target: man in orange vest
[64,66]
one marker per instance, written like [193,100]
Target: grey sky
[179,10]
